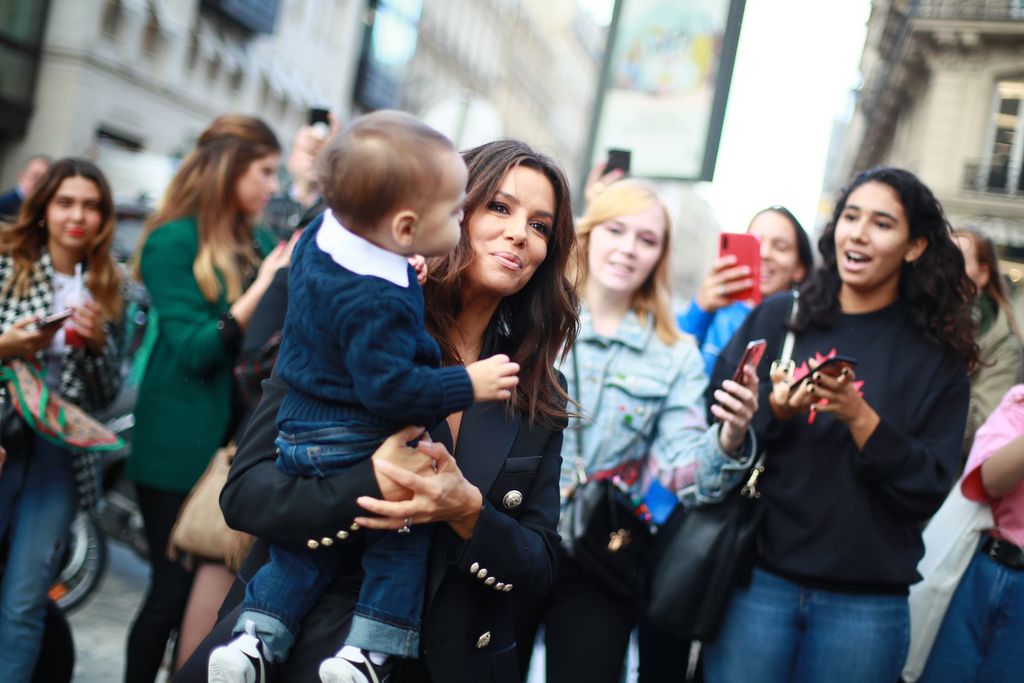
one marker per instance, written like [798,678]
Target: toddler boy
[359,366]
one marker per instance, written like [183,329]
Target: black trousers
[586,629]
[169,587]
[664,657]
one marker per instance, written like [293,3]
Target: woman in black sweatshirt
[858,462]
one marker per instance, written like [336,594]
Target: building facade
[133,82]
[485,69]
[942,96]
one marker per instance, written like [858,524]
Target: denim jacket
[644,416]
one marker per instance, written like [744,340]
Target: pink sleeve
[1005,424]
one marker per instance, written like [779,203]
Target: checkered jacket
[89,381]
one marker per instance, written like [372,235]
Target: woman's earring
[42,222]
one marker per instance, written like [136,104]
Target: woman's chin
[619,286]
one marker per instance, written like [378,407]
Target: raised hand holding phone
[746,250]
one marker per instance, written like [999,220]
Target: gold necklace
[475,353]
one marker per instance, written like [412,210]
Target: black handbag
[707,551]
[601,532]
[605,538]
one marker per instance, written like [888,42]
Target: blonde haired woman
[200,260]
[639,384]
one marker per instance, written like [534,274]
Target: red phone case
[751,356]
[747,250]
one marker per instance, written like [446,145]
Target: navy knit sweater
[354,349]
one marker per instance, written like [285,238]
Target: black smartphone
[618,159]
[832,367]
[319,115]
[54,320]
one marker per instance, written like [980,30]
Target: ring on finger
[407,527]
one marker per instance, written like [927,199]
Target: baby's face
[438,229]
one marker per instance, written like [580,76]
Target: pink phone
[747,250]
[752,355]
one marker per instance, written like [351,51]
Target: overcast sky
[796,65]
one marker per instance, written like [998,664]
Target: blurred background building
[941,96]
[131,83]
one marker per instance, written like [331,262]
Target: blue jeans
[38,500]
[982,634]
[776,631]
[283,591]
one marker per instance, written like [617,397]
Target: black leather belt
[1003,552]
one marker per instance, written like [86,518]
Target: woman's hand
[396,451]
[840,397]
[443,495]
[735,408]
[784,402]
[598,180]
[280,257]
[243,307]
[724,279]
[88,322]
[20,341]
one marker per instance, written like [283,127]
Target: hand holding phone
[54,320]
[833,367]
[752,356]
[618,160]
[320,120]
[747,251]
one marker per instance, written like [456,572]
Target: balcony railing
[971,10]
[993,178]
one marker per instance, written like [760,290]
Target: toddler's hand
[493,378]
[419,264]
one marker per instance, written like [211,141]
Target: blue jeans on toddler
[777,631]
[285,589]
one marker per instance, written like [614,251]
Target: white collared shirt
[352,252]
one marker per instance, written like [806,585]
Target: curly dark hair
[535,325]
[935,289]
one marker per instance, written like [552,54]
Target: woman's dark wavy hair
[534,325]
[935,289]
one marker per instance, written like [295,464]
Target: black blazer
[467,633]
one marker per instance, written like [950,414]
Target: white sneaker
[349,667]
[240,661]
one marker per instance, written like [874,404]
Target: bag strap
[749,489]
[790,341]
[36,418]
[581,473]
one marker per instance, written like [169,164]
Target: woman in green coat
[200,260]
